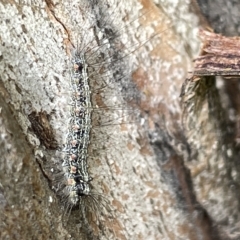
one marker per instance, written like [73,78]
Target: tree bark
[139,157]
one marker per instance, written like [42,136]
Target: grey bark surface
[141,163]
[223,16]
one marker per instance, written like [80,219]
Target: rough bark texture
[224,106]
[140,162]
[219,57]
[207,103]
[222,15]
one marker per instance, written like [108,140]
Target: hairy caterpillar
[99,73]
[75,163]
